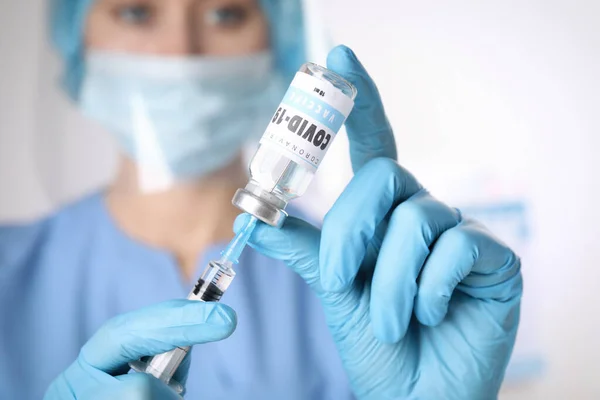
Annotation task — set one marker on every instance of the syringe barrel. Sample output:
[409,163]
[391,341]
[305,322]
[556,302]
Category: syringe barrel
[163,366]
[211,286]
[213,282]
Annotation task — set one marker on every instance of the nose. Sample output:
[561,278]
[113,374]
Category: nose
[181,36]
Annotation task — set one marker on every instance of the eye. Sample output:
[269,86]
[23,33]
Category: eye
[231,16]
[136,14]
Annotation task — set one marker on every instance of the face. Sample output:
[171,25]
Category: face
[178,27]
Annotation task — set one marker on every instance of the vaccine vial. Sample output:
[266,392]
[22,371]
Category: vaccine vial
[299,135]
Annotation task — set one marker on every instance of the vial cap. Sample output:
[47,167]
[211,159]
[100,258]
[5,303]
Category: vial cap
[261,209]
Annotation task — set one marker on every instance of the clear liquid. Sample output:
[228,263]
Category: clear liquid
[213,282]
[275,173]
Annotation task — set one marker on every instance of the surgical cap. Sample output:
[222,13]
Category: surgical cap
[68,18]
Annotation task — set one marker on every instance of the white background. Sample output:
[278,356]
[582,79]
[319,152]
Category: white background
[490,100]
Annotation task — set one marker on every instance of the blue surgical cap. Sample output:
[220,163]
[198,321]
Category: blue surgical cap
[68,19]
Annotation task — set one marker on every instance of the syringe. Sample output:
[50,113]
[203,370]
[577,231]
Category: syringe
[211,286]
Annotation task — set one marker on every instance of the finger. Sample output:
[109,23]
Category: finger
[155,330]
[137,386]
[413,228]
[469,258]
[181,375]
[369,131]
[351,223]
[296,244]
[83,381]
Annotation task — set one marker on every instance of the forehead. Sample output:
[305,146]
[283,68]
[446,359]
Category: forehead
[173,3]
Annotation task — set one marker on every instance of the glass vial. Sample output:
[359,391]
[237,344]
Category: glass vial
[299,135]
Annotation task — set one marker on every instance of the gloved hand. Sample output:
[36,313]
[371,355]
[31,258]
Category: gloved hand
[421,302]
[100,371]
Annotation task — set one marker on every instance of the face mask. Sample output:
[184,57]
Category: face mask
[180,118]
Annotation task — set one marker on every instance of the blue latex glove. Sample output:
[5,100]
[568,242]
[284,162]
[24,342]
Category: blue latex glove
[100,371]
[421,302]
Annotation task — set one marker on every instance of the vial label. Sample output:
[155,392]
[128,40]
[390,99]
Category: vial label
[308,119]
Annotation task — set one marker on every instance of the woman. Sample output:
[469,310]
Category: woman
[182,84]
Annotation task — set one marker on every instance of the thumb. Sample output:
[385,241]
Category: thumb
[155,330]
[145,332]
[296,244]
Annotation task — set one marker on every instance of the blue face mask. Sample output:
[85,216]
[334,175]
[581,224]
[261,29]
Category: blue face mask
[180,118]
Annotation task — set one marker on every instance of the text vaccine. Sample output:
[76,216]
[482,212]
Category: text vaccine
[312,112]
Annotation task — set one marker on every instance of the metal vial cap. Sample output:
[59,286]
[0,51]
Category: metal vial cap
[260,208]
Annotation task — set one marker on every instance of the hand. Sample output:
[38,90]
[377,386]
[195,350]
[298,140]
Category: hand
[100,371]
[421,302]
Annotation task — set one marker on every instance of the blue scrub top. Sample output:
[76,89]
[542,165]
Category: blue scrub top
[61,278]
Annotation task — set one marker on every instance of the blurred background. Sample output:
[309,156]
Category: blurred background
[496,110]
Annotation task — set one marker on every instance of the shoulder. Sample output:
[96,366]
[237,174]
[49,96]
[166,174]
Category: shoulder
[83,211]
[17,241]
[22,243]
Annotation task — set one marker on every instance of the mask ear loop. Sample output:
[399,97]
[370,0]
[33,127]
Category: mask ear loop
[154,173]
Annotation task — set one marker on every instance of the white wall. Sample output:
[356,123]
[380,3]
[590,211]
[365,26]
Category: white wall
[48,153]
[19,63]
[491,101]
